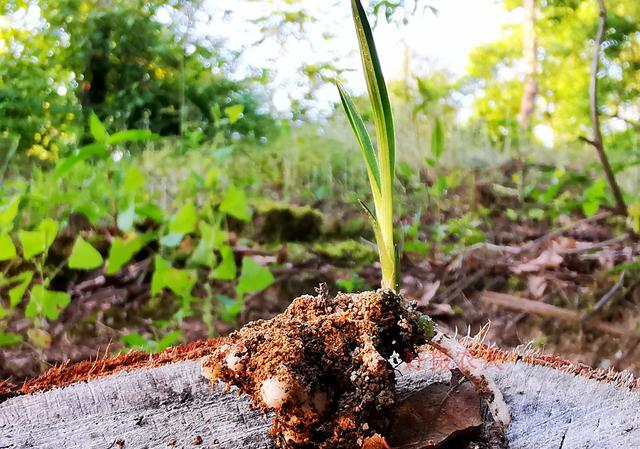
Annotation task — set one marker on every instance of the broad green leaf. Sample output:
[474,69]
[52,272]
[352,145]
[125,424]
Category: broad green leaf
[172,239]
[180,282]
[168,340]
[16,293]
[3,312]
[127,218]
[136,341]
[10,338]
[226,269]
[234,113]
[362,135]
[46,303]
[38,242]
[84,256]
[593,197]
[235,204]
[437,139]
[184,221]
[132,135]
[150,210]
[122,250]
[133,180]
[204,254]
[378,94]
[8,213]
[7,248]
[98,131]
[229,308]
[253,276]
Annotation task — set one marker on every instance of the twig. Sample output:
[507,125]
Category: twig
[539,308]
[618,285]
[596,140]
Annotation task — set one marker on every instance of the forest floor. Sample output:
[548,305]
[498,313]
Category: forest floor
[572,291]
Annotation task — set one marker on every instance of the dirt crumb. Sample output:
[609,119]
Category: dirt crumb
[323,366]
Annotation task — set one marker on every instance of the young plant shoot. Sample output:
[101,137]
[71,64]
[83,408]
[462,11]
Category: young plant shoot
[380,168]
[380,163]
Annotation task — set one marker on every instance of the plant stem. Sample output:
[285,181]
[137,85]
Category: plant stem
[596,140]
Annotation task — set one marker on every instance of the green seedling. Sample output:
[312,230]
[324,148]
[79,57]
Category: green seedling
[381,163]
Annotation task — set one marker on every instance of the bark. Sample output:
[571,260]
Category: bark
[174,406]
[527,107]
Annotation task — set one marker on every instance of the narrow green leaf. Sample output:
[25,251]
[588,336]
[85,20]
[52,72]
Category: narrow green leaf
[437,140]
[84,256]
[94,149]
[381,106]
[7,248]
[132,135]
[362,135]
[98,131]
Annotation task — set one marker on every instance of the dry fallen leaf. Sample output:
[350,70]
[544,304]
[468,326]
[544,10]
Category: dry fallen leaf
[434,415]
[547,259]
[537,285]
[375,442]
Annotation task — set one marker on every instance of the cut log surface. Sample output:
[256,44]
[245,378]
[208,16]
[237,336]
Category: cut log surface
[174,406]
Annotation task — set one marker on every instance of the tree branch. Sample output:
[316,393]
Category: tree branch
[596,140]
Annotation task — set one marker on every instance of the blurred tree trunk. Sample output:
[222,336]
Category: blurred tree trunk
[529,38]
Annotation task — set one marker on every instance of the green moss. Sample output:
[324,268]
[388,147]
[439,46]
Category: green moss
[283,222]
[347,252]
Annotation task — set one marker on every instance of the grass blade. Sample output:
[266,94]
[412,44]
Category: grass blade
[362,135]
[378,93]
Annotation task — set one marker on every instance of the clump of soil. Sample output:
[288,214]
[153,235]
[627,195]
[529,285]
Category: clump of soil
[323,366]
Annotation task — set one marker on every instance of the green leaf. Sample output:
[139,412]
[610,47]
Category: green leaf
[46,303]
[98,131]
[16,293]
[362,136]
[235,204]
[122,251]
[378,94]
[150,210]
[132,135]
[180,282]
[204,254]
[226,269]
[234,113]
[437,139]
[84,256]
[229,308]
[84,153]
[127,218]
[8,213]
[593,197]
[171,240]
[38,242]
[10,338]
[7,248]
[133,180]
[184,221]
[253,276]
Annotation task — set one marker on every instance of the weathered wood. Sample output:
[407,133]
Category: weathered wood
[152,407]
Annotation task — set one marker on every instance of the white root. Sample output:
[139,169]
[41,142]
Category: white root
[475,373]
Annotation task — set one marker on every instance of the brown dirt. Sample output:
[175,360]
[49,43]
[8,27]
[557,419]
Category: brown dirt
[323,366]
